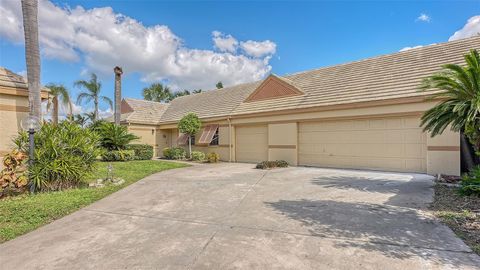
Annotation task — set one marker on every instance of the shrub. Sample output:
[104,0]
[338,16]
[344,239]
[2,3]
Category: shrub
[114,137]
[471,182]
[272,164]
[198,156]
[142,151]
[64,155]
[13,178]
[190,124]
[174,153]
[118,155]
[213,157]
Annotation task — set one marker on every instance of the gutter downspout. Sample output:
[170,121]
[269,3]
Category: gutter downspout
[229,139]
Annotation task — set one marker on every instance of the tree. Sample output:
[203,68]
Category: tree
[92,93]
[190,125]
[32,54]
[157,92]
[459,105]
[219,85]
[180,94]
[118,94]
[60,94]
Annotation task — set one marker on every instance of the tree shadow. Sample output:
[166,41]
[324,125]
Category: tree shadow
[393,231]
[413,191]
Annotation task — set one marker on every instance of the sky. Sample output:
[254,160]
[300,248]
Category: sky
[194,44]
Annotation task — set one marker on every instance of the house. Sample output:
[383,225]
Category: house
[14,106]
[364,114]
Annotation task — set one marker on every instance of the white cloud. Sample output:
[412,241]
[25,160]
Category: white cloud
[258,48]
[423,18]
[470,29]
[100,39]
[224,43]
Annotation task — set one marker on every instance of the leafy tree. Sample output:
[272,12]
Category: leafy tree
[92,93]
[180,94]
[197,91]
[459,107]
[114,137]
[60,94]
[219,85]
[157,92]
[189,124]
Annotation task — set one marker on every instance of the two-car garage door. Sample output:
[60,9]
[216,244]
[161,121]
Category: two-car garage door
[393,144]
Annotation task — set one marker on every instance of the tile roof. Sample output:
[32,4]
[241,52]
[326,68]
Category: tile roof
[13,80]
[144,111]
[384,77]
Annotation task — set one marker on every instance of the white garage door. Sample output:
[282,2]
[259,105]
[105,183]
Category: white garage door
[251,143]
[392,144]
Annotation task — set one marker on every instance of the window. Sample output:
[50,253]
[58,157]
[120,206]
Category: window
[192,139]
[215,138]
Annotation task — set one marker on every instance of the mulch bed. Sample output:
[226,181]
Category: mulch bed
[460,213]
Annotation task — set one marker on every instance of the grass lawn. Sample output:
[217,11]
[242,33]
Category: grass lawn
[460,213]
[21,214]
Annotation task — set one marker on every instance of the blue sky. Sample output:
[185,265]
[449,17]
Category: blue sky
[174,42]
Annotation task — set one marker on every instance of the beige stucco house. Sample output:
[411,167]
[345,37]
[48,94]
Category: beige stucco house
[13,106]
[364,114]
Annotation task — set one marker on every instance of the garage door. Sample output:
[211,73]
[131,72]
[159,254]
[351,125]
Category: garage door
[392,144]
[251,143]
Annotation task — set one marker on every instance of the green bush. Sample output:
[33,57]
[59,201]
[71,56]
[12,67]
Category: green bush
[272,164]
[471,182]
[65,155]
[118,155]
[198,156]
[174,153]
[142,151]
[114,137]
[213,157]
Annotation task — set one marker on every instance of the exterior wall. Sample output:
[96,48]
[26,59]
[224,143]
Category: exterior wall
[147,134]
[443,153]
[12,110]
[283,142]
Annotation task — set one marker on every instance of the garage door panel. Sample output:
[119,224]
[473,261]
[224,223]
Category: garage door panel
[394,144]
[251,143]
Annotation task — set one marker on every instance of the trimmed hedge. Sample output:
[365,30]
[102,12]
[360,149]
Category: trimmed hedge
[118,155]
[272,164]
[142,151]
[174,153]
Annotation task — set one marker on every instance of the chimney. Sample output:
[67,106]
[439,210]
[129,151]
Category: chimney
[118,94]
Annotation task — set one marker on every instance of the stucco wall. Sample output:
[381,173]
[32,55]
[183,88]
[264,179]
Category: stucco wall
[12,110]
[282,142]
[443,153]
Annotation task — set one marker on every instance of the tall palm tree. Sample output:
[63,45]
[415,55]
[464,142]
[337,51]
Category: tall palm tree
[32,54]
[59,93]
[92,93]
[459,105]
[157,92]
[118,93]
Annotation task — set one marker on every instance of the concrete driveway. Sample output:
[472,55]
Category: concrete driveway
[230,216]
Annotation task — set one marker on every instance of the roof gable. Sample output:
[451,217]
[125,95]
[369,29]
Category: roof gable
[274,87]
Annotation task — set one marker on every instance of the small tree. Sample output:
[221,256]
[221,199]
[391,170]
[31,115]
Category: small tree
[190,125]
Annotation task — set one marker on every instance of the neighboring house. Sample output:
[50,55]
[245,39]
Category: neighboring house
[142,118]
[364,114]
[13,106]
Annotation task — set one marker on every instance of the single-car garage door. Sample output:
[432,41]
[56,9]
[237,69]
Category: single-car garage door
[392,144]
[252,143]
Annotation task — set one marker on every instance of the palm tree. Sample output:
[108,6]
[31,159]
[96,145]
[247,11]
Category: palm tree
[118,93]
[59,93]
[157,92]
[180,94]
[32,54]
[92,87]
[459,97]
